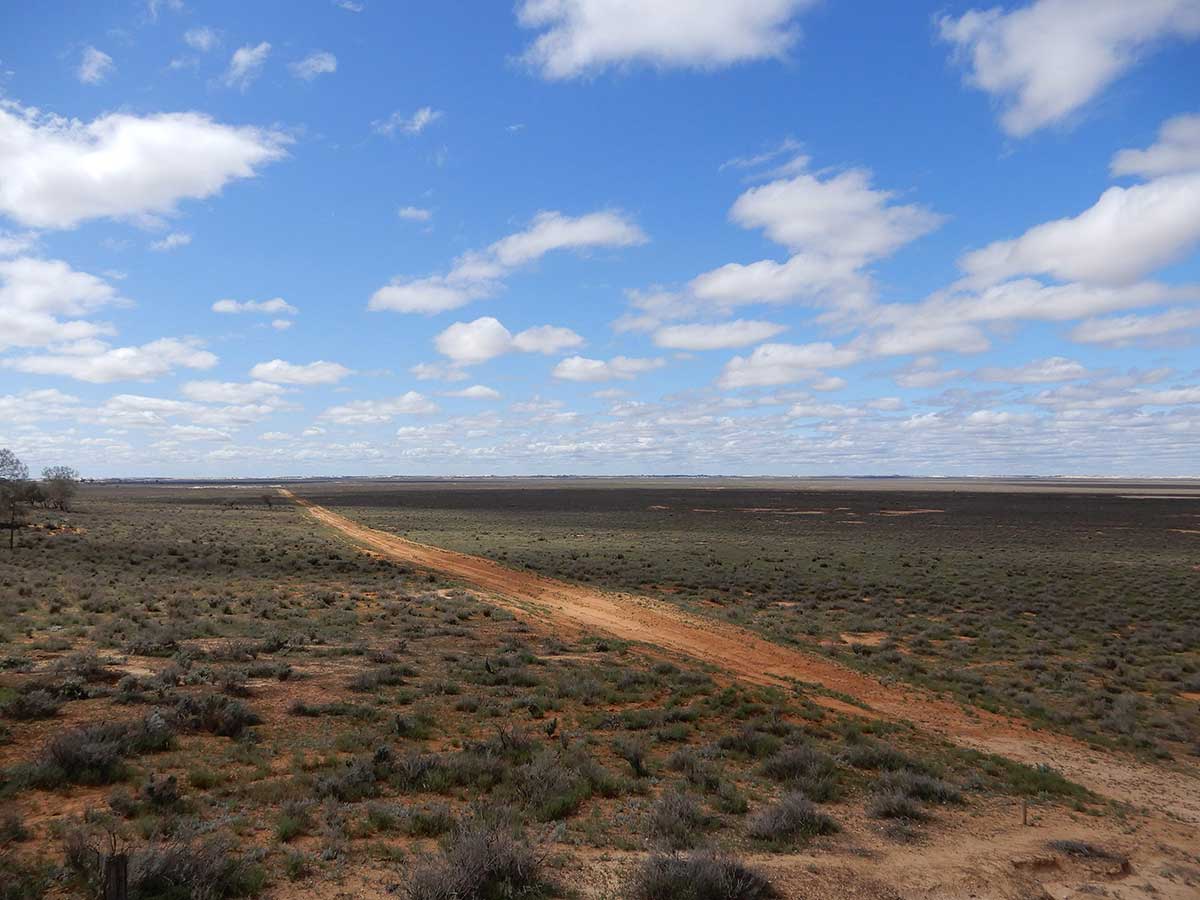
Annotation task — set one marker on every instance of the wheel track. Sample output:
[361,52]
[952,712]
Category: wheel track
[751,658]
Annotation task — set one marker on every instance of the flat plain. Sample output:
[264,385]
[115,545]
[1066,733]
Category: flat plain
[258,700]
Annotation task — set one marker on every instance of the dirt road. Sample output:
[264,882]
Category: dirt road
[751,658]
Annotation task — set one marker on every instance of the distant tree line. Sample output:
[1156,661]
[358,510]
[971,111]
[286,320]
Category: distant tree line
[18,492]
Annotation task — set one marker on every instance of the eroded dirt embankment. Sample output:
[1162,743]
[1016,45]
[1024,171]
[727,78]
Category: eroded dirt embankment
[749,657]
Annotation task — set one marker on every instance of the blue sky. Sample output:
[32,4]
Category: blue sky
[591,236]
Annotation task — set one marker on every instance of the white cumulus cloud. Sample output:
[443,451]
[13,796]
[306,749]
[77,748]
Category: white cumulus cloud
[474,342]
[42,300]
[546,339]
[98,363]
[467,343]
[56,172]
[1177,150]
[274,306]
[580,37]
[834,226]
[1047,59]
[373,412]
[1039,371]
[1120,331]
[277,371]
[232,392]
[1126,234]
[476,392]
[772,364]
[738,333]
[581,368]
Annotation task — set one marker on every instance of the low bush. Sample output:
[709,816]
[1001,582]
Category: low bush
[96,754]
[358,779]
[792,818]
[216,714]
[895,805]
[549,789]
[697,769]
[483,859]
[160,792]
[36,704]
[198,870]
[295,819]
[633,751]
[873,755]
[12,829]
[701,876]
[386,676]
[349,710]
[750,742]
[22,879]
[1084,850]
[429,820]
[805,769]
[920,787]
[677,821]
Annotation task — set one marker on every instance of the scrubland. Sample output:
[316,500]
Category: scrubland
[247,705]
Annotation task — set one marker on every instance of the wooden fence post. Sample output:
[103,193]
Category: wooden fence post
[116,877]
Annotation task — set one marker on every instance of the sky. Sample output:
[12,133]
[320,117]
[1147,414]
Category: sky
[791,237]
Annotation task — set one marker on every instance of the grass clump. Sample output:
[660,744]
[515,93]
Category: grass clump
[295,819]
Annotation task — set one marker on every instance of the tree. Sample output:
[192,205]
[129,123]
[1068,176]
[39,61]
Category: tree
[266,499]
[14,476]
[61,484]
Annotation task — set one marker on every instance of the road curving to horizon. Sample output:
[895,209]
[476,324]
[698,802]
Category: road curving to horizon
[747,656]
